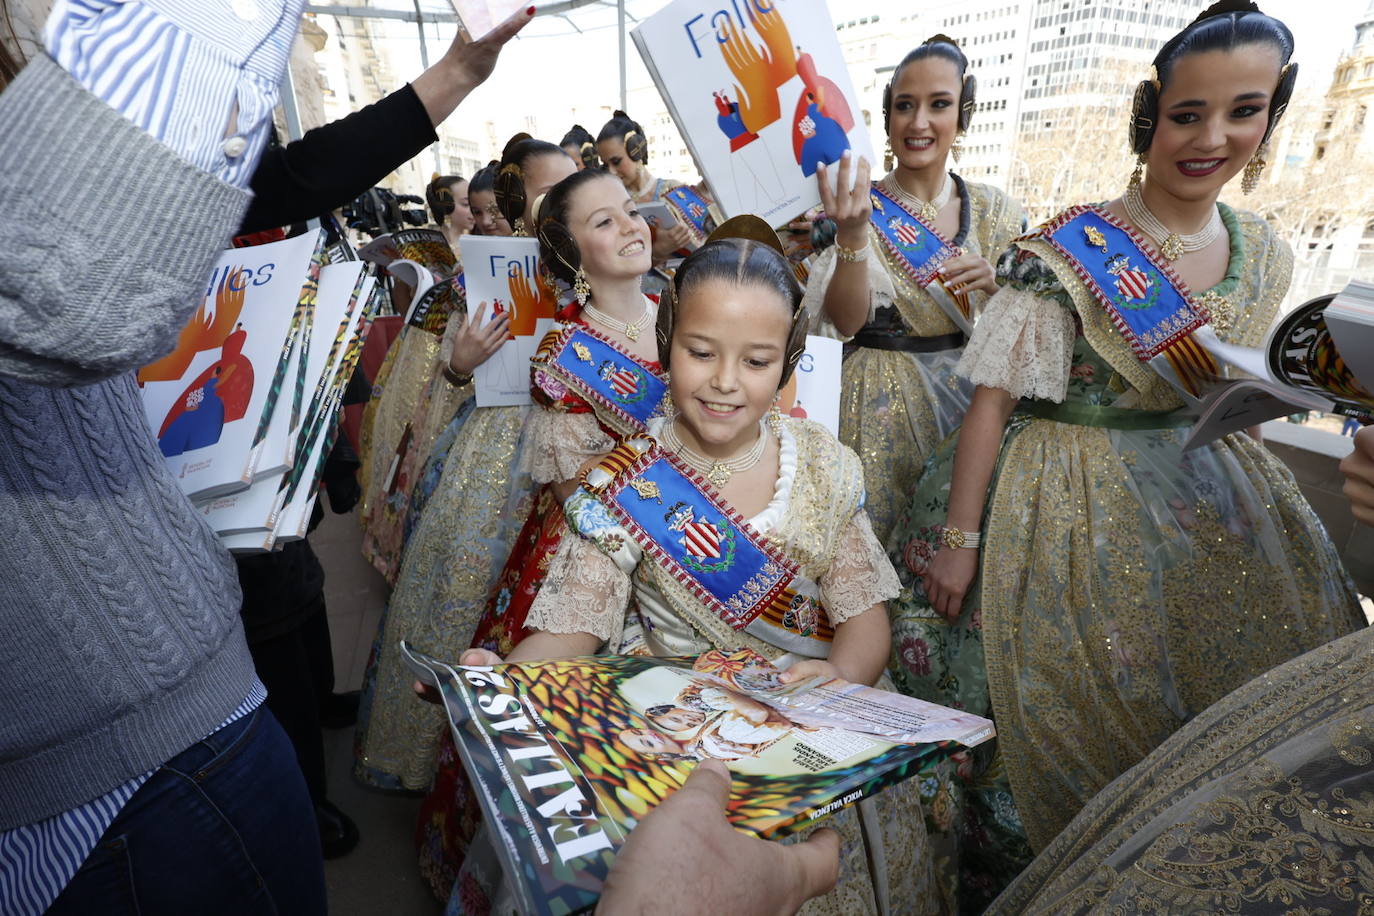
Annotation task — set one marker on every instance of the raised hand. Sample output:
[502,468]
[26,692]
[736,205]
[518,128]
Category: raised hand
[529,303]
[849,205]
[468,341]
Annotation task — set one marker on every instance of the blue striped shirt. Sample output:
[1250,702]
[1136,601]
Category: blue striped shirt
[38,860]
[202,76]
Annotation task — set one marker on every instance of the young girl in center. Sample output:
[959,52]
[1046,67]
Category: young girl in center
[724,485]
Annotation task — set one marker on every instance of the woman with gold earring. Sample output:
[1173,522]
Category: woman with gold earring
[907,274]
[1122,584]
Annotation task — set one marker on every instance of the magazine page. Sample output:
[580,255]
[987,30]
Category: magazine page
[762,96]
[479,17]
[503,274]
[209,401]
[1350,318]
[1245,403]
[843,704]
[566,756]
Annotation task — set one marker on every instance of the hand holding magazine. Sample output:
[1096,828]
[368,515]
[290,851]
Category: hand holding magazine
[566,756]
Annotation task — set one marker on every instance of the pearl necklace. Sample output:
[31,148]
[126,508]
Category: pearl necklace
[718,472]
[1171,245]
[631,329]
[926,210]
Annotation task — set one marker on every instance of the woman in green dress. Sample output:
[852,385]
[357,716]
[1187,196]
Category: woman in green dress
[1123,584]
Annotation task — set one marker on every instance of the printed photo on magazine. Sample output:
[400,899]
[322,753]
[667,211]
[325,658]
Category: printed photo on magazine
[566,756]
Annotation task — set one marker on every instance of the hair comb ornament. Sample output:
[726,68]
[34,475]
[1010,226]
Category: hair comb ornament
[750,227]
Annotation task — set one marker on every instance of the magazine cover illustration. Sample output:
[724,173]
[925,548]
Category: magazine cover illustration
[566,756]
[209,402]
[761,93]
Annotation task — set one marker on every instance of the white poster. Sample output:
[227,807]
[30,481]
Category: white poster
[813,392]
[761,93]
[503,278]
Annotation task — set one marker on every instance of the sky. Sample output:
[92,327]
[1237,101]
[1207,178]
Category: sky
[553,71]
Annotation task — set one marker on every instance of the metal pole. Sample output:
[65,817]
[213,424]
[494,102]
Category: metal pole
[620,13]
[424,62]
[288,106]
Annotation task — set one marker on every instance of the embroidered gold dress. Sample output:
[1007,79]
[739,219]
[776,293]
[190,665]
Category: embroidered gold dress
[1262,804]
[1125,584]
[605,586]
[896,406]
[401,397]
[453,555]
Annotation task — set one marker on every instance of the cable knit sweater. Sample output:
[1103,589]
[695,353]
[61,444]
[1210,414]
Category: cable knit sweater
[120,643]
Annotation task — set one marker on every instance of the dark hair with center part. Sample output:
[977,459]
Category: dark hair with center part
[737,261]
[485,179]
[510,180]
[439,196]
[558,249]
[1223,26]
[942,48]
[624,128]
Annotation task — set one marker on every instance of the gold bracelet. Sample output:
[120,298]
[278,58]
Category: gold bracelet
[456,380]
[851,255]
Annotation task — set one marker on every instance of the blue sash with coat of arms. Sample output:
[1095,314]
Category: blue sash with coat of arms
[1146,301]
[625,391]
[679,521]
[691,209]
[921,252]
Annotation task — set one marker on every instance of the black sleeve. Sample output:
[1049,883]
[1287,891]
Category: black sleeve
[333,164]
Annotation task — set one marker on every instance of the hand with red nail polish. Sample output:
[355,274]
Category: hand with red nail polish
[465,66]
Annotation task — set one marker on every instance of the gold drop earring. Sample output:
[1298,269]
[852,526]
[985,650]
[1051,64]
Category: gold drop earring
[1254,169]
[1139,172]
[581,288]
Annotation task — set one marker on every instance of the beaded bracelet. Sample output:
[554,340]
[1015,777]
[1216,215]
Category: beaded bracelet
[851,255]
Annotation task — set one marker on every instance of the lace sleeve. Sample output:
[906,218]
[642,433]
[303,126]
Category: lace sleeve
[1023,342]
[557,444]
[585,591]
[880,289]
[861,575]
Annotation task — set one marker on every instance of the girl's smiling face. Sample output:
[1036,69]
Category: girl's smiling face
[728,352]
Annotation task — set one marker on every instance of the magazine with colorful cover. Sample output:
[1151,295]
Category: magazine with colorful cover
[761,94]
[504,275]
[256,508]
[210,401]
[424,261]
[566,756]
[302,484]
[1301,366]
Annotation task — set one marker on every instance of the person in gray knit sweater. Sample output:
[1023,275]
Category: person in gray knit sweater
[136,762]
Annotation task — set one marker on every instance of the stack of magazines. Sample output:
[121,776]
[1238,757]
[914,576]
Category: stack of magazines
[245,407]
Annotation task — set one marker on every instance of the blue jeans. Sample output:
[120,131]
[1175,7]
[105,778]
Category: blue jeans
[224,827]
